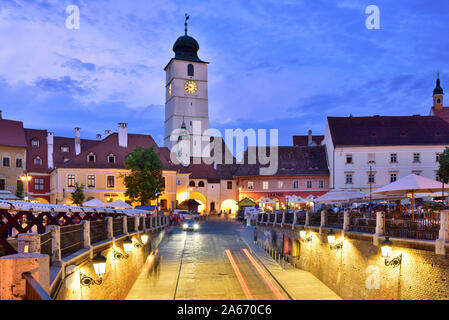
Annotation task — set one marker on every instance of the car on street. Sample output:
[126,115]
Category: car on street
[190,224]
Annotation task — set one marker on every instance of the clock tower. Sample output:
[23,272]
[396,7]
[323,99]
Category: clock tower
[186,98]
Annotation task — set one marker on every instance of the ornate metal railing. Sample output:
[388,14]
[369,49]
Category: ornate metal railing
[335,220]
[360,224]
[71,239]
[117,227]
[98,231]
[424,227]
[300,218]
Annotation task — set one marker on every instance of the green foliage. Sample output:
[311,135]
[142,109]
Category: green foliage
[19,190]
[145,178]
[443,170]
[78,196]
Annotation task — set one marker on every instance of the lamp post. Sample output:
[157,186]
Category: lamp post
[157,194]
[26,178]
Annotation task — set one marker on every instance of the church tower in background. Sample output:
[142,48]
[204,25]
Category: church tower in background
[186,98]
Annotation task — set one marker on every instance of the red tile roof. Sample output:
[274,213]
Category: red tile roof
[441,113]
[388,131]
[304,140]
[12,133]
[109,145]
[305,160]
[37,151]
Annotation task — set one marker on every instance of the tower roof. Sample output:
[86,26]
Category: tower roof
[438,89]
[186,47]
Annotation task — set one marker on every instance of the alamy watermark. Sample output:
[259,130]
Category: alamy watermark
[373,20]
[209,147]
[73,19]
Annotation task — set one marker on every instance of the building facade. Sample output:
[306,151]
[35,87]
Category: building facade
[13,152]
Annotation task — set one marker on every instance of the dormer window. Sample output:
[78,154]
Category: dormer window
[65,149]
[191,183]
[35,142]
[201,184]
[37,161]
[111,158]
[91,157]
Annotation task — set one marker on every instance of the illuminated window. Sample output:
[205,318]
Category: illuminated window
[70,180]
[91,181]
[250,185]
[110,181]
[65,149]
[169,89]
[265,185]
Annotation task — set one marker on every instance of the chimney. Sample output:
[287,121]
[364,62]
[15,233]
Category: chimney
[107,133]
[98,137]
[123,135]
[50,138]
[77,141]
[310,142]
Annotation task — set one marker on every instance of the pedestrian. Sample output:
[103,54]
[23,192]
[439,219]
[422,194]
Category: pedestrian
[255,235]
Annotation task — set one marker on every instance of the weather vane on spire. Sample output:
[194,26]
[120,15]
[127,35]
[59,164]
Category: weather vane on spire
[185,23]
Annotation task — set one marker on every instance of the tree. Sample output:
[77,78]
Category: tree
[443,171]
[145,179]
[78,196]
[19,190]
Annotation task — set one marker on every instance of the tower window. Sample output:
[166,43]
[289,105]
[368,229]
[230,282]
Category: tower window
[438,100]
[190,71]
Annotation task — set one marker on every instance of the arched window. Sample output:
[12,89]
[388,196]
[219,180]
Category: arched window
[192,183]
[201,184]
[37,161]
[190,70]
[111,158]
[438,100]
[91,157]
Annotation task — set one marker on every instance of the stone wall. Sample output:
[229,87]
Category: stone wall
[358,271]
[120,273]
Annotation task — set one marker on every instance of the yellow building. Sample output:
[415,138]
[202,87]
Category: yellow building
[12,154]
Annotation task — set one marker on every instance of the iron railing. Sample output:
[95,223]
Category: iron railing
[423,226]
[98,231]
[71,239]
[117,226]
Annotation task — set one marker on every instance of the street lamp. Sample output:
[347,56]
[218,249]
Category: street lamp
[157,194]
[386,247]
[99,263]
[26,178]
[303,234]
[144,238]
[331,240]
[127,245]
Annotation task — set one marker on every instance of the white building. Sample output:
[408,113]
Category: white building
[374,151]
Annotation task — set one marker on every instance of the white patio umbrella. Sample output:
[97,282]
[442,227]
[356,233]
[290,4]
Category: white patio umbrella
[339,195]
[94,203]
[294,198]
[119,204]
[266,200]
[412,184]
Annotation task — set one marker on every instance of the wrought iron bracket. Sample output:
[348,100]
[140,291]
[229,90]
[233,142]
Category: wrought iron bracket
[309,238]
[87,281]
[394,262]
[137,245]
[119,255]
[336,246]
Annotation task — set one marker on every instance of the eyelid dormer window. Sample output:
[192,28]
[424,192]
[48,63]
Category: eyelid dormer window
[91,157]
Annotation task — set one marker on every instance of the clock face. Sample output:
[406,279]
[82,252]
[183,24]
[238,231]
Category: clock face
[190,87]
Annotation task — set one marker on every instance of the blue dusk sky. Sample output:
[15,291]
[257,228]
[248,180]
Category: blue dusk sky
[274,64]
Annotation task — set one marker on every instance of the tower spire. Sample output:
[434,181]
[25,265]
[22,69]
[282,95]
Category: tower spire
[185,23]
[438,89]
